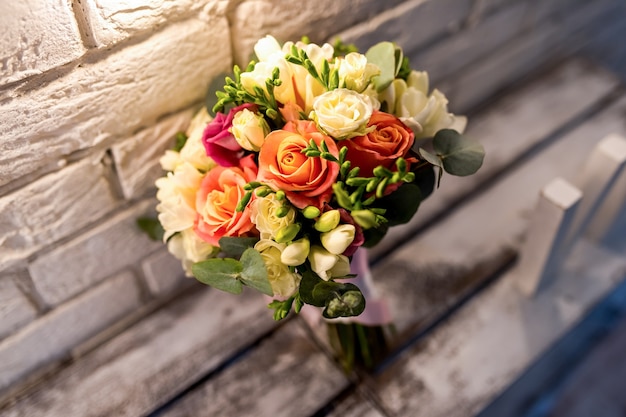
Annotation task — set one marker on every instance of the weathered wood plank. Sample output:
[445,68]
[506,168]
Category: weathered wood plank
[355,405]
[466,362]
[152,361]
[511,127]
[286,375]
[426,276]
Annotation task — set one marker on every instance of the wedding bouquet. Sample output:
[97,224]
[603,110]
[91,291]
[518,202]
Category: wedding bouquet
[312,152]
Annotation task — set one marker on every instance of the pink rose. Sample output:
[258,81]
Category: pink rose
[219,142]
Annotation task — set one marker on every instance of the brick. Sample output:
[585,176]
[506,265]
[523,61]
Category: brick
[163,273]
[137,158]
[50,338]
[15,309]
[319,19]
[108,99]
[427,19]
[36,36]
[53,207]
[88,259]
[112,21]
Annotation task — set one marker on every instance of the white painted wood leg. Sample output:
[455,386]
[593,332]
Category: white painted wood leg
[549,225]
[611,213]
[596,180]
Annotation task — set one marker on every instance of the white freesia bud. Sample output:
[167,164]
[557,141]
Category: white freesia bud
[343,113]
[341,268]
[263,213]
[249,130]
[296,253]
[328,221]
[189,249]
[337,240]
[284,283]
[322,261]
[356,72]
[266,48]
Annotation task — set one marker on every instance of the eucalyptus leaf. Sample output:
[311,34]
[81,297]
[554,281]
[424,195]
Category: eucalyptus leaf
[152,227]
[375,235]
[222,274]
[345,304]
[460,156]
[254,273]
[309,280]
[431,158]
[383,55]
[236,246]
[402,204]
[425,179]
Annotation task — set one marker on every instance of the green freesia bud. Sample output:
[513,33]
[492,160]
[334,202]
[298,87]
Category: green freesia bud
[296,253]
[287,233]
[311,212]
[364,218]
[327,221]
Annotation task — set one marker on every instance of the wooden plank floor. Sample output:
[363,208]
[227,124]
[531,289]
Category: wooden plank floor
[447,274]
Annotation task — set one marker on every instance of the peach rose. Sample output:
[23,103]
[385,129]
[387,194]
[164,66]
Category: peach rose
[306,181]
[390,140]
[217,199]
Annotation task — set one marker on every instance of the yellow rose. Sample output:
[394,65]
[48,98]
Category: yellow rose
[343,113]
[284,283]
[249,130]
[263,214]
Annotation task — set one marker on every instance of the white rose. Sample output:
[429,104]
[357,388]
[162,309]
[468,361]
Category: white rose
[337,240]
[284,283]
[249,130]
[343,113]
[177,198]
[189,249]
[296,253]
[263,215]
[356,72]
[425,114]
[194,151]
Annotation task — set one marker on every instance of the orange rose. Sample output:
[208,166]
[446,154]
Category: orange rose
[390,140]
[282,165]
[216,202]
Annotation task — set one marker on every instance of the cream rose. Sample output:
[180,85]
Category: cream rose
[425,114]
[284,283]
[189,249]
[249,130]
[177,198]
[355,72]
[263,214]
[343,113]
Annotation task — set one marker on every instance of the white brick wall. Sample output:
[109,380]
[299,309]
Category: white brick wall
[92,92]
[36,35]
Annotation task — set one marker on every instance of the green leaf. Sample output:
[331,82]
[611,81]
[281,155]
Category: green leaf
[181,140]
[459,156]
[222,274]
[309,280]
[152,227]
[432,158]
[375,235]
[236,246]
[383,54]
[254,273]
[425,179]
[402,204]
[281,308]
